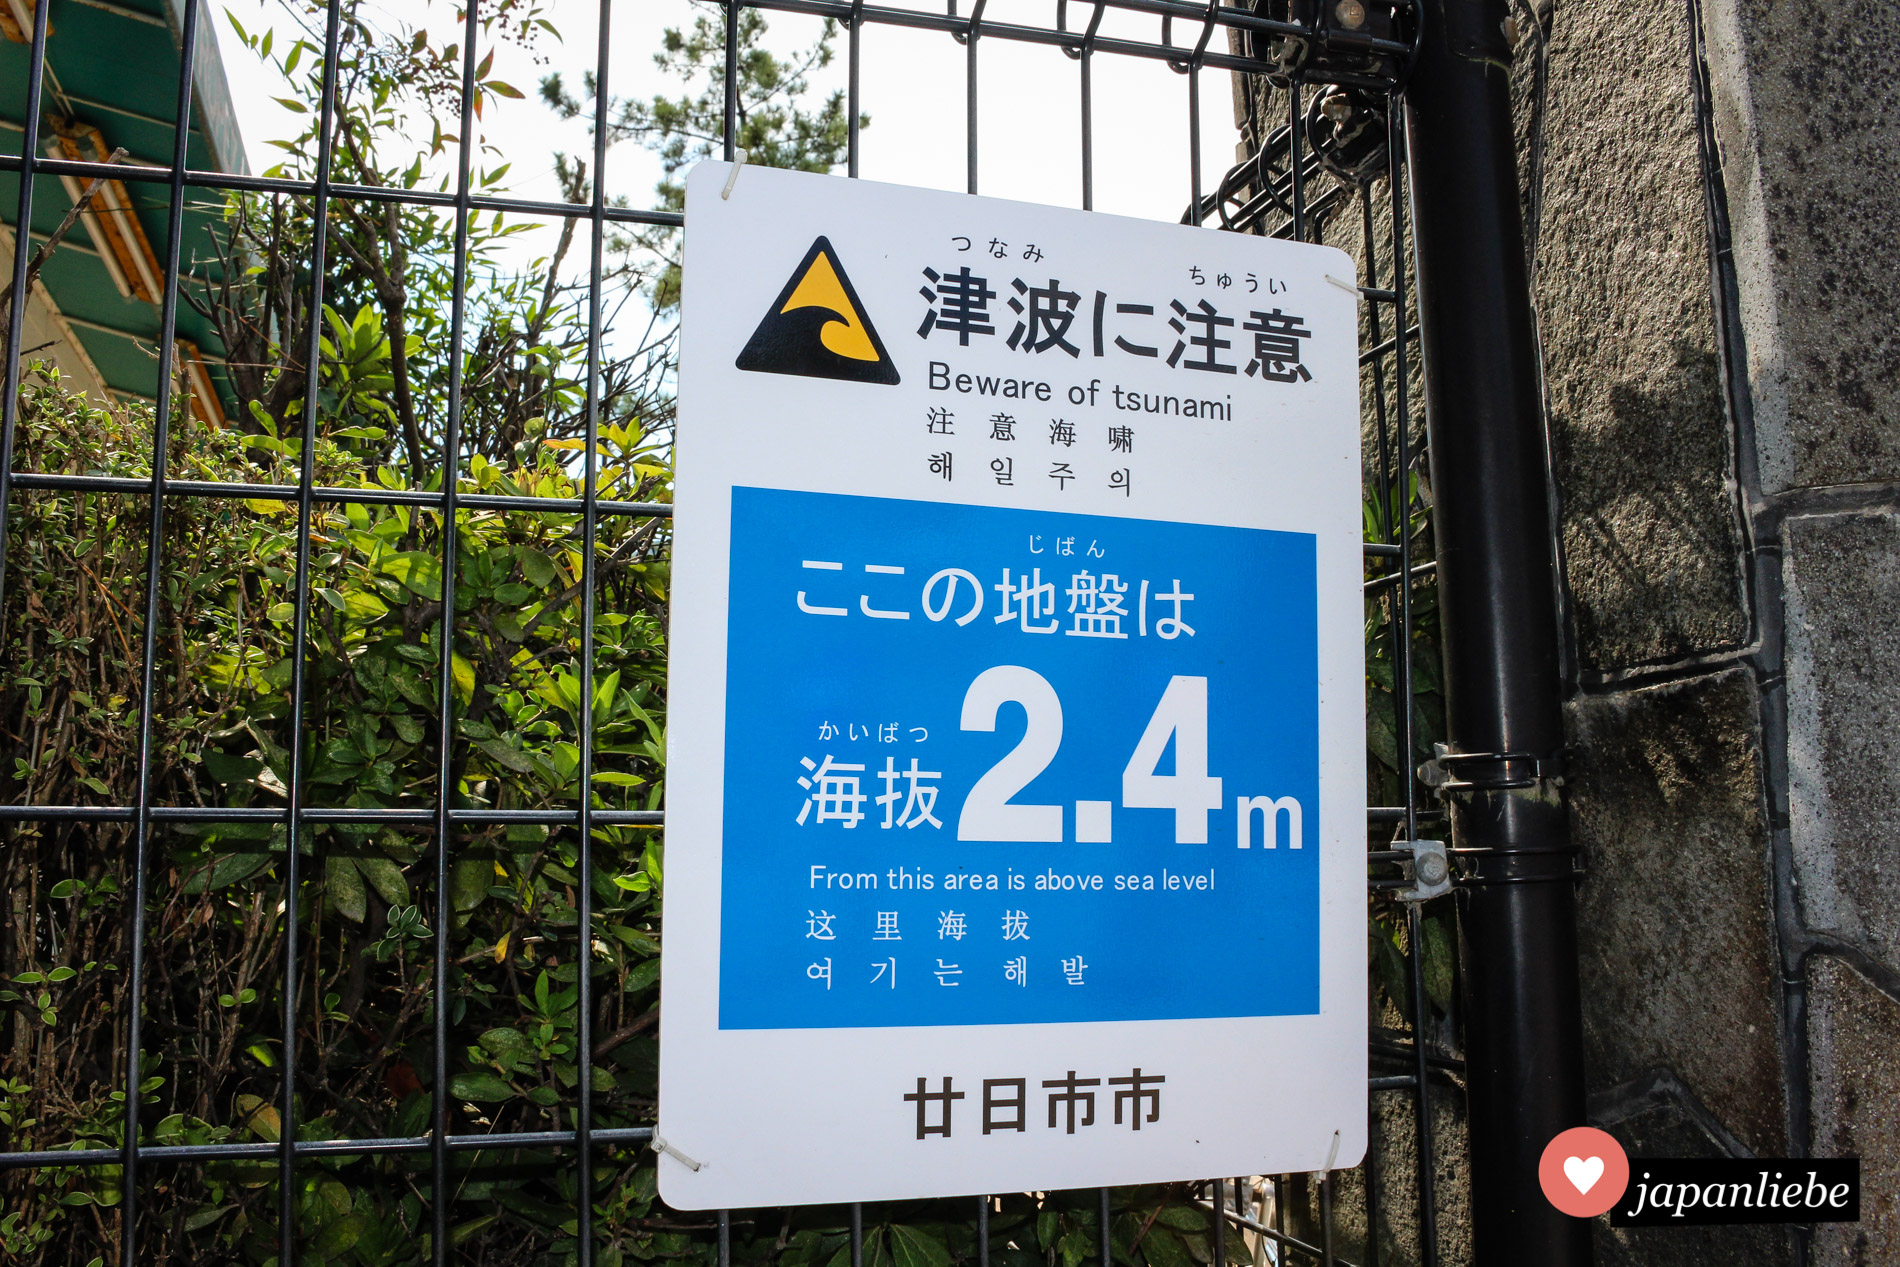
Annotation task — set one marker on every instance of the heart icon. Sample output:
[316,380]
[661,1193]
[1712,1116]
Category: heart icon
[1583,1172]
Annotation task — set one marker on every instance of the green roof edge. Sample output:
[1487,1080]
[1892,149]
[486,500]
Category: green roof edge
[211,91]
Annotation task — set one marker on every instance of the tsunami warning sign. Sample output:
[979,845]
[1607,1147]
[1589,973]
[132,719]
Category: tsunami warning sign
[1015,806]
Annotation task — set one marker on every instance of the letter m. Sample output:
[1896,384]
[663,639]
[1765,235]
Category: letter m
[1269,810]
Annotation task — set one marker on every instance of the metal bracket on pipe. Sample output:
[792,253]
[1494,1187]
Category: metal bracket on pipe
[1438,773]
[1429,870]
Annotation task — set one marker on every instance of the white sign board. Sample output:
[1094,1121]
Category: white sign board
[1015,806]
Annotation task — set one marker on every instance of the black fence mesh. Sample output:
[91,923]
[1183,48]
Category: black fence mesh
[1323,161]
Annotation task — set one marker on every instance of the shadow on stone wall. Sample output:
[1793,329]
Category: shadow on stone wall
[1625,317]
[1650,533]
[1666,1130]
[1676,938]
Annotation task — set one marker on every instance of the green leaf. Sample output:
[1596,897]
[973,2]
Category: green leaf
[227,769]
[643,976]
[1164,1249]
[463,674]
[364,606]
[1185,1218]
[338,1237]
[604,691]
[483,1088]
[469,879]
[259,1117]
[420,573]
[1438,962]
[232,868]
[1381,729]
[343,883]
[508,1046]
[386,877]
[916,1247]
[537,567]
[505,756]
[462,1232]
[1388,967]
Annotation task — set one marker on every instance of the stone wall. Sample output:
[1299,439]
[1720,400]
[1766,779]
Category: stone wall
[1712,198]
[1717,206]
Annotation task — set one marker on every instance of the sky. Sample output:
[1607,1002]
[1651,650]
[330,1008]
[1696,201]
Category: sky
[912,86]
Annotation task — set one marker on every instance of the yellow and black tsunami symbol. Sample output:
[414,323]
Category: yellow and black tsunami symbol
[818,328]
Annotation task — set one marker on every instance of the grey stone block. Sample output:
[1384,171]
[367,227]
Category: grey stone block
[1841,581]
[1854,1030]
[1808,116]
[1393,1158]
[1641,443]
[1667,1131]
[1391,1168]
[1395,1119]
[1674,917]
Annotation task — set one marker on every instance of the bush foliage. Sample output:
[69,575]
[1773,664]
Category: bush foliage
[217,902]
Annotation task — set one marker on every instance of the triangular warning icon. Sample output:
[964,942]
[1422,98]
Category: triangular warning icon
[817,327]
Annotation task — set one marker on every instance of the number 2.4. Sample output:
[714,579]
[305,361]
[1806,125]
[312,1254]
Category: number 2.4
[990,814]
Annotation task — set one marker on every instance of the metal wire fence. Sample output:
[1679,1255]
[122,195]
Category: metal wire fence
[1324,163]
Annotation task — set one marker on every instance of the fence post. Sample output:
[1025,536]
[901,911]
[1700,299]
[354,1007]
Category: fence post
[1496,569]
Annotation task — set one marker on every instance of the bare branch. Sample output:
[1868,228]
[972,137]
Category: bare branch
[46,248]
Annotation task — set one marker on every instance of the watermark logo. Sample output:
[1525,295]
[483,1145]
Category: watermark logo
[1583,1172]
[1684,1192]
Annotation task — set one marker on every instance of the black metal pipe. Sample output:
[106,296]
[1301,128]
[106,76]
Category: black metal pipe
[1497,578]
